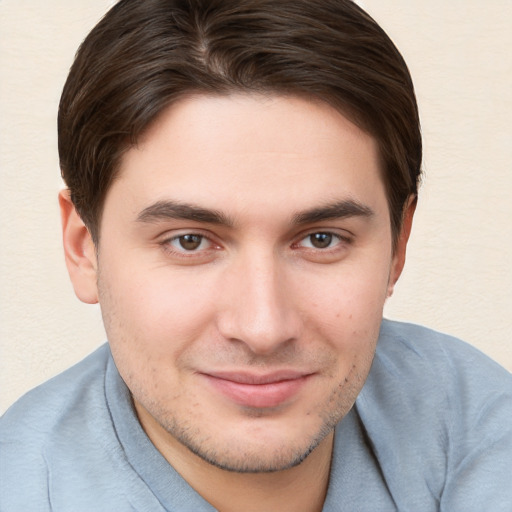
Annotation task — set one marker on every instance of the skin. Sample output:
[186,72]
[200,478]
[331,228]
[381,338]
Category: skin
[244,235]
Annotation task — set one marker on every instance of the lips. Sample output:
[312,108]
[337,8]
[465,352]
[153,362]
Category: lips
[258,390]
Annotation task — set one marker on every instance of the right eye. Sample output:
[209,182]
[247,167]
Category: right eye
[320,240]
[190,242]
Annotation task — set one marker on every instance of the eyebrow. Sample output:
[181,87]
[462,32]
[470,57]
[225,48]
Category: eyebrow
[337,210]
[165,210]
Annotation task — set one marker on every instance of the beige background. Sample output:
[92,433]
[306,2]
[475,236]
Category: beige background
[458,278]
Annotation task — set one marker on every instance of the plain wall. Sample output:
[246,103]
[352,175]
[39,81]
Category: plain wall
[457,278]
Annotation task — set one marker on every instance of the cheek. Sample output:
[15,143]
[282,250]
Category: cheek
[152,313]
[350,299]
[345,310]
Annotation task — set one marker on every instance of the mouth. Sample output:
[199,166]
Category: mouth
[258,390]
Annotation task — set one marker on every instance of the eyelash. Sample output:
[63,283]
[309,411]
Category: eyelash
[332,237]
[167,244]
[183,253]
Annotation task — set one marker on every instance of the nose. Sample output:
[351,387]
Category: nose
[258,305]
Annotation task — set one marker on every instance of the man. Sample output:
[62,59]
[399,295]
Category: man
[242,178]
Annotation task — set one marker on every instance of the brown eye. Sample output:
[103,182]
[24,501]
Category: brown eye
[192,248]
[189,242]
[320,240]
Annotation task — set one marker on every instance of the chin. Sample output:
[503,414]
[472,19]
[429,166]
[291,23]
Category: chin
[257,460]
[265,446]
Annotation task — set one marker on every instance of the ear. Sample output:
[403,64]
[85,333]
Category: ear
[79,251]
[398,261]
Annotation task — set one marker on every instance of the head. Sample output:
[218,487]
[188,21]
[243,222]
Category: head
[242,176]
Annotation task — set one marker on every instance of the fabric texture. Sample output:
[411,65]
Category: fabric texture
[430,431]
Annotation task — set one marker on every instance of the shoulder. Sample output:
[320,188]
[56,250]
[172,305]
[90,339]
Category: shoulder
[42,425]
[424,357]
[438,378]
[39,411]
[434,402]
[418,342]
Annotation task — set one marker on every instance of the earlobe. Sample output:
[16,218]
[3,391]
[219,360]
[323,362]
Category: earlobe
[79,251]
[401,246]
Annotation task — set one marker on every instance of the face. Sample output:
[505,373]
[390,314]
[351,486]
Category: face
[245,256]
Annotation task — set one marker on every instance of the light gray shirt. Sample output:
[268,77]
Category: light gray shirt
[430,431]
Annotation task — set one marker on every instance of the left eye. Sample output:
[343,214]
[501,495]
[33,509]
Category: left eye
[190,242]
[320,240]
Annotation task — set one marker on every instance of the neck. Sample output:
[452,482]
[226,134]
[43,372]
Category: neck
[299,489]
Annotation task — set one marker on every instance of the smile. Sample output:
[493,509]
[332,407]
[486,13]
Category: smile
[258,391]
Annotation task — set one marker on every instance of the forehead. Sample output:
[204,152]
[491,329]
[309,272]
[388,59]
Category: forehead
[244,151]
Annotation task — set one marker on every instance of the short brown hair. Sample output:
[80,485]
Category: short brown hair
[145,54]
